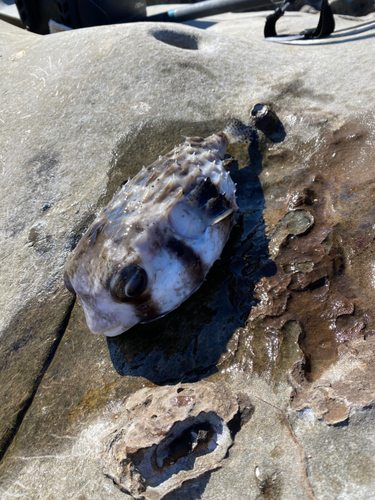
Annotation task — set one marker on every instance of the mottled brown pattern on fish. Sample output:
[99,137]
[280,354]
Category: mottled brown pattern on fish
[154,243]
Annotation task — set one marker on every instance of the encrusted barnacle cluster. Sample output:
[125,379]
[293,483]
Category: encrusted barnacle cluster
[168,435]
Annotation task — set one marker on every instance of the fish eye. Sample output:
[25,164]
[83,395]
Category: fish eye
[128,283]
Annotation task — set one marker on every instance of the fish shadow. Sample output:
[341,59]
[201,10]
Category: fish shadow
[186,344]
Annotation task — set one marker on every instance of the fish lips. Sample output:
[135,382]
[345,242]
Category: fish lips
[112,324]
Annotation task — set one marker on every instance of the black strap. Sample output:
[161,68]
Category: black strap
[325,26]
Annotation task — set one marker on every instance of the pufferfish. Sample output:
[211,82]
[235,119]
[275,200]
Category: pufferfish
[151,247]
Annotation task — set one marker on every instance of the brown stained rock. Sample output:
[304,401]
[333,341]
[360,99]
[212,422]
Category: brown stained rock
[315,284]
[168,435]
[325,278]
[303,197]
[350,383]
[273,295]
[294,223]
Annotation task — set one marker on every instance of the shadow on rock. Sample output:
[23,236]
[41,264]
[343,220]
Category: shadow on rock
[187,343]
[190,490]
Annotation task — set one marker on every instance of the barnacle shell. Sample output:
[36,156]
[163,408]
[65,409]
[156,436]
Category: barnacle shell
[168,435]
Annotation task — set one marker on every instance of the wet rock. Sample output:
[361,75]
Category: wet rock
[170,435]
[321,290]
[345,386]
[294,223]
[303,197]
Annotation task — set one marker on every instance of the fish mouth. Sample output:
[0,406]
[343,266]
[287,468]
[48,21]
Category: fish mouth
[106,322]
[111,332]
[96,328]
[116,330]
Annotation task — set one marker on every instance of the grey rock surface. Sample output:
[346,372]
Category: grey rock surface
[81,112]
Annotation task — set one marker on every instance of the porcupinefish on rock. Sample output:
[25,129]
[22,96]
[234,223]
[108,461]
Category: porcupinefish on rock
[151,247]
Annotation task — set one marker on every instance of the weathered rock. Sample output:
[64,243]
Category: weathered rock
[170,435]
[82,111]
[294,223]
[348,384]
[339,458]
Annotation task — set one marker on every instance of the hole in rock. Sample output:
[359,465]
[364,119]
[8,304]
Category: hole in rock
[194,438]
[185,41]
[187,392]
[317,284]
[186,441]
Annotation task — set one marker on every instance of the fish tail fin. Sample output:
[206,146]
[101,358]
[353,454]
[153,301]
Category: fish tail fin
[238,132]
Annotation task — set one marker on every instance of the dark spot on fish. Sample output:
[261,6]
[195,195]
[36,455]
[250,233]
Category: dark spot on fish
[188,258]
[202,192]
[195,141]
[184,170]
[145,308]
[94,232]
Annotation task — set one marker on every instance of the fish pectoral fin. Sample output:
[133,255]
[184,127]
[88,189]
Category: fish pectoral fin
[223,216]
[202,207]
[202,193]
[218,209]
[207,201]
[191,222]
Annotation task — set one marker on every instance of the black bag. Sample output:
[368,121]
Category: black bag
[35,14]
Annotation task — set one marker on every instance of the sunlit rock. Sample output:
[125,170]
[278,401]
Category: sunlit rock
[168,435]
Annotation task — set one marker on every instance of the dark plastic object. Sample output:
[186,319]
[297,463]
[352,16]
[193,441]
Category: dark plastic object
[35,14]
[325,26]
[206,8]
